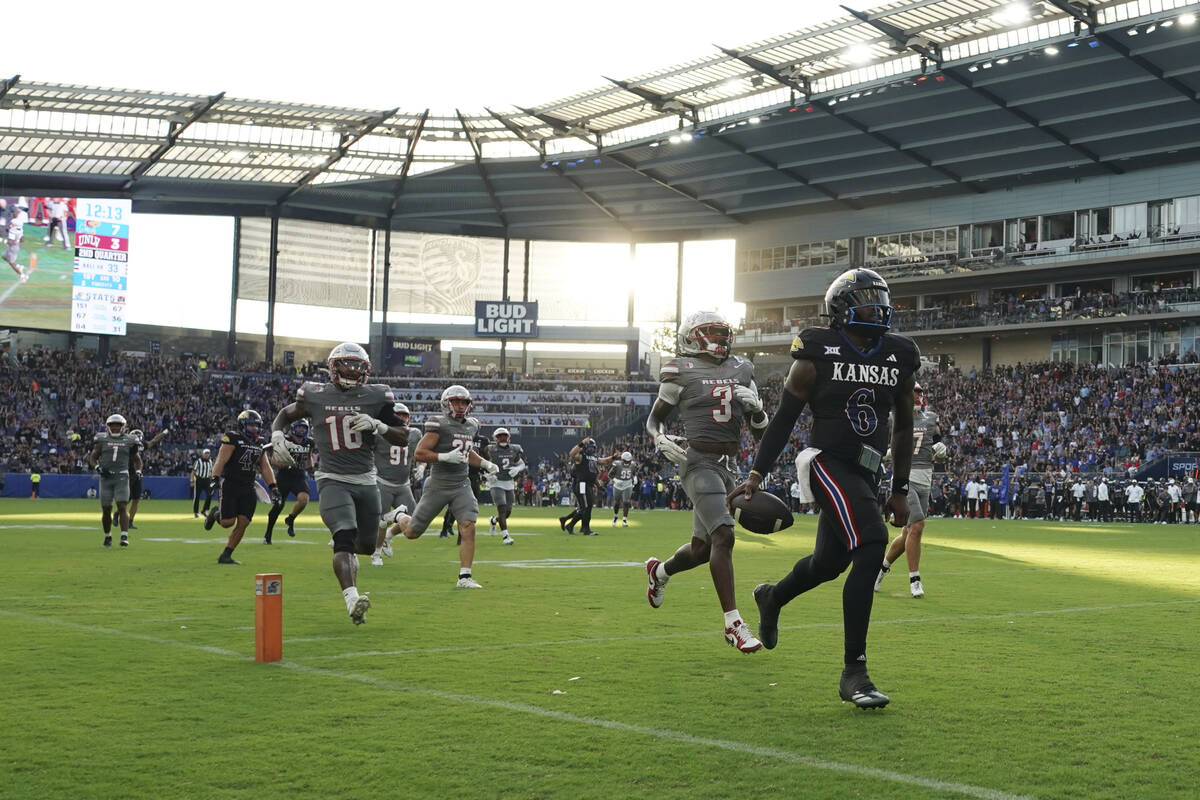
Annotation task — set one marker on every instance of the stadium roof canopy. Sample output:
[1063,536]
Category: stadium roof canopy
[907,100]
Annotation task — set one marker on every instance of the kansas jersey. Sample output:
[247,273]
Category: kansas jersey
[453,434]
[586,469]
[623,475]
[243,464]
[505,457]
[703,391]
[116,452]
[344,454]
[393,462]
[855,391]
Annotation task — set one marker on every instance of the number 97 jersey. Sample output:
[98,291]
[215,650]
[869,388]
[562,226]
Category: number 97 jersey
[855,390]
[703,391]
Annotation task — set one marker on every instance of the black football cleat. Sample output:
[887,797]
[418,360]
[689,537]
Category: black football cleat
[266,540]
[290,523]
[856,687]
[562,523]
[768,616]
[589,533]
[224,559]
[124,541]
[108,541]
[210,519]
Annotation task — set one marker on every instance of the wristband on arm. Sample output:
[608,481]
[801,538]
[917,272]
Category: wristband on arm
[899,486]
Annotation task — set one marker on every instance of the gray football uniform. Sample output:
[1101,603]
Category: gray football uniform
[623,476]
[115,453]
[349,499]
[504,484]
[393,463]
[448,484]
[703,391]
[925,424]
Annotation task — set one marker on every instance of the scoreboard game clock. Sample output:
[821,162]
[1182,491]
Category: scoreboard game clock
[101,266]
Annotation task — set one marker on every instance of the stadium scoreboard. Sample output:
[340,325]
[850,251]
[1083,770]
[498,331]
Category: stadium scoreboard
[101,269]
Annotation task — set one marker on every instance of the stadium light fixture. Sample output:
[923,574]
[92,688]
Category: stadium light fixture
[972,68]
[1052,50]
[986,65]
[1187,19]
[1093,43]
[1072,44]
[1132,32]
[1151,28]
[858,53]
[1001,60]
[1013,14]
[1166,23]
[754,120]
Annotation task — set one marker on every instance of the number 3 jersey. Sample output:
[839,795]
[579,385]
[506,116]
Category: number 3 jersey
[343,454]
[703,391]
[453,434]
[855,391]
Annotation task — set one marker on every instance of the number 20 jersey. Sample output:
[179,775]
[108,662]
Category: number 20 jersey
[855,391]
[345,455]
[453,434]
[704,393]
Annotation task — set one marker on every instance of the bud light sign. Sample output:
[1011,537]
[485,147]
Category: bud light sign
[501,319]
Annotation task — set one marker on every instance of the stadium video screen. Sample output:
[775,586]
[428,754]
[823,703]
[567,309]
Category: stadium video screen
[66,263]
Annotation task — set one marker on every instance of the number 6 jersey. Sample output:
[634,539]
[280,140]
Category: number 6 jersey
[345,455]
[704,393]
[855,391]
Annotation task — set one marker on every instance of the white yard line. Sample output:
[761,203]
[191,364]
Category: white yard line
[683,737]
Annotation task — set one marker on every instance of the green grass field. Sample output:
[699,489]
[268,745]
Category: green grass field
[1047,660]
[45,301]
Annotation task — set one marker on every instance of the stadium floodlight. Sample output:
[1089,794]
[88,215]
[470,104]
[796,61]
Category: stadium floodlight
[972,68]
[986,65]
[1187,19]
[1151,28]
[755,120]
[1166,23]
[858,53]
[1013,14]
[1132,32]
[1001,60]
[1051,50]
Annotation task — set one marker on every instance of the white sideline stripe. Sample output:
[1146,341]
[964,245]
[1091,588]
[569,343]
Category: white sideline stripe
[8,292]
[560,716]
[693,634]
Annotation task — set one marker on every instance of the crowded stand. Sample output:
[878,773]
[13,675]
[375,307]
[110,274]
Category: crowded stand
[1048,426]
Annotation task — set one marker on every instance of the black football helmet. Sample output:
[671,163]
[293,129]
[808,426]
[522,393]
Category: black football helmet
[300,429]
[250,421]
[858,302]
[590,449]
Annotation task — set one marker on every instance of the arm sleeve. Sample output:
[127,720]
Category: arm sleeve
[775,437]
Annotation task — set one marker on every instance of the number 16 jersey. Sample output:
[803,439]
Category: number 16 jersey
[346,455]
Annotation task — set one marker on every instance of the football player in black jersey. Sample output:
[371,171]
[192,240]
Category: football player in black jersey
[587,463]
[240,455]
[293,480]
[851,375]
[135,482]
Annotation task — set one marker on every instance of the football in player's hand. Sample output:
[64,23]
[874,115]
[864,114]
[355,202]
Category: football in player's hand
[762,513]
[277,460]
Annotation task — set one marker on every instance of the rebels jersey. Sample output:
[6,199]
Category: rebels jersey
[393,462]
[301,451]
[854,391]
[453,434]
[505,457]
[703,391]
[346,455]
[243,464]
[925,426]
[116,452]
[623,475]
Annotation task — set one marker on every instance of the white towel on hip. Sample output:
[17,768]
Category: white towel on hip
[803,464]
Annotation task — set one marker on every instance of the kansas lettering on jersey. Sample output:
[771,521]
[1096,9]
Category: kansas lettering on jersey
[243,464]
[855,391]
[703,391]
[301,451]
[116,452]
[623,475]
[505,457]
[393,462]
[346,455]
[453,434]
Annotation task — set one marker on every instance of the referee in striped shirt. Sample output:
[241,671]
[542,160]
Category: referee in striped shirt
[202,481]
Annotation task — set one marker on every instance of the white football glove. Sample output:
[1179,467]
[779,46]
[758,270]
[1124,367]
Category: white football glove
[488,466]
[419,471]
[514,471]
[940,450]
[364,423]
[669,448]
[453,457]
[279,450]
[749,399]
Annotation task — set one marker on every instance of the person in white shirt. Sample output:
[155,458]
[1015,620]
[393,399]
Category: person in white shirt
[973,508]
[17,219]
[1105,512]
[1133,501]
[1175,493]
[794,491]
[58,224]
[1078,489]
